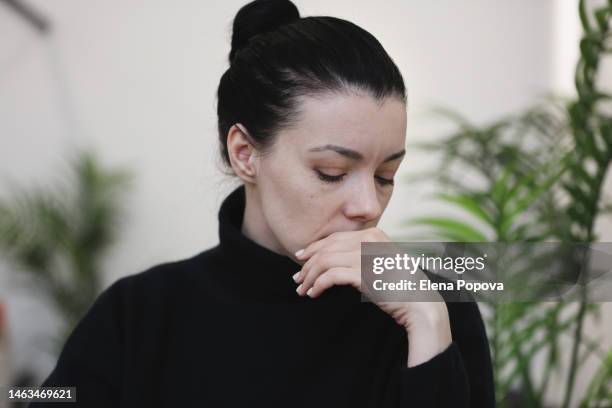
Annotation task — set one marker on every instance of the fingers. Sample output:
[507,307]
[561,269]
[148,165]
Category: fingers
[334,276]
[338,246]
[341,249]
[321,262]
[322,243]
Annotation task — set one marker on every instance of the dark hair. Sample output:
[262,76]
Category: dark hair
[277,57]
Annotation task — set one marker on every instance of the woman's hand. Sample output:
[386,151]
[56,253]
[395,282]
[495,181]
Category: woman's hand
[336,260]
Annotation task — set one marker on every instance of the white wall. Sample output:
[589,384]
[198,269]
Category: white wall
[137,81]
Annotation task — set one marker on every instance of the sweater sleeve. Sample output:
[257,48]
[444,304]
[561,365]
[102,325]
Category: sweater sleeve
[461,375]
[90,359]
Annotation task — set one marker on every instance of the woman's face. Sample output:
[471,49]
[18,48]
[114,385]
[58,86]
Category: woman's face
[333,170]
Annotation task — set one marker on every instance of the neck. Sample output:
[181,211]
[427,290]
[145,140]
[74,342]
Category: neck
[254,225]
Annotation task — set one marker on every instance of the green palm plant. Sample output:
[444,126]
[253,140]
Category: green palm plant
[56,237]
[532,177]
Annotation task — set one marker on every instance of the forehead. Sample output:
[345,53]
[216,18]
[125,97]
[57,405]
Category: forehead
[354,120]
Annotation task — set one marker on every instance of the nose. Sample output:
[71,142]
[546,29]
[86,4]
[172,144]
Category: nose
[363,203]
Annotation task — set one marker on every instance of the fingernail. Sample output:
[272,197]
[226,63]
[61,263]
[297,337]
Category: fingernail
[309,292]
[298,289]
[298,253]
[296,276]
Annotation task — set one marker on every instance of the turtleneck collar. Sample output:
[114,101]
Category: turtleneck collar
[259,270]
[255,272]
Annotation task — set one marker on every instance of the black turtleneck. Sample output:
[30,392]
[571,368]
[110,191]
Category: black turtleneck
[225,328]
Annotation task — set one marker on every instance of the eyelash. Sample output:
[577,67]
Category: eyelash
[335,179]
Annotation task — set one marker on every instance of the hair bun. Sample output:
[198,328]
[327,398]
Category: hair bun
[258,17]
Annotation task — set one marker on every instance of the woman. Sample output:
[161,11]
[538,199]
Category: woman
[312,120]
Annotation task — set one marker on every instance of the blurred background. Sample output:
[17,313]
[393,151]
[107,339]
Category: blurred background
[109,159]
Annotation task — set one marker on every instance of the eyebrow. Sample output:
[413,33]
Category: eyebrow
[353,154]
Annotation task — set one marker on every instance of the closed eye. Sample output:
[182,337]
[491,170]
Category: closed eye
[329,178]
[384,181]
[337,178]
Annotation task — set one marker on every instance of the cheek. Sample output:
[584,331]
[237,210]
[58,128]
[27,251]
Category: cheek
[296,216]
[300,216]
[289,188]
[288,204]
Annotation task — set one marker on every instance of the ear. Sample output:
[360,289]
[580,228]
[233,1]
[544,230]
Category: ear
[241,152]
